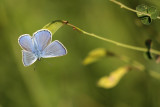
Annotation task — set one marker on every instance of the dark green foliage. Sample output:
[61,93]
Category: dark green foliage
[147,13]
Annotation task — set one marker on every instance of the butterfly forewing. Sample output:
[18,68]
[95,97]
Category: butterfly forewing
[42,38]
[28,58]
[54,49]
[26,42]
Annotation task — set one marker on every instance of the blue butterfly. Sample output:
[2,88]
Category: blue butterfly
[40,46]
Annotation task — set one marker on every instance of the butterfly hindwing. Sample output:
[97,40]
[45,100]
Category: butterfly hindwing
[28,58]
[54,49]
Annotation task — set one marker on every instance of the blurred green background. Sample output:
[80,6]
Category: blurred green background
[64,81]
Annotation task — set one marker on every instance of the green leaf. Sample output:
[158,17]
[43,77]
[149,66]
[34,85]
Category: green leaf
[141,8]
[54,26]
[146,20]
[154,12]
[114,77]
[151,11]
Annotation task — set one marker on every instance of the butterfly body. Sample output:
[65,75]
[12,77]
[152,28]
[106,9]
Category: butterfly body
[39,46]
[37,53]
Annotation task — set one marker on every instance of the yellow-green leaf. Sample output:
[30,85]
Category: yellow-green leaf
[155,75]
[113,79]
[95,55]
[54,26]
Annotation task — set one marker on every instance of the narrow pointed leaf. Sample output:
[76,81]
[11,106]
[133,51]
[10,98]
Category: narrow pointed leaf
[95,55]
[155,74]
[113,79]
[54,26]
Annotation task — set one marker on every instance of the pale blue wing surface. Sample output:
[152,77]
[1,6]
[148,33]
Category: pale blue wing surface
[28,58]
[42,38]
[54,49]
[25,41]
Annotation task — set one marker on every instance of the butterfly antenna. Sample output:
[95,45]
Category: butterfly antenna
[35,64]
[47,63]
[34,67]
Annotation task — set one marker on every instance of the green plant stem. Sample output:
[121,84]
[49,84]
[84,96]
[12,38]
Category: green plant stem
[130,9]
[111,41]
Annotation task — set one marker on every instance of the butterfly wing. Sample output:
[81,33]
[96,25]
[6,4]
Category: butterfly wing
[28,58]
[26,43]
[42,38]
[54,49]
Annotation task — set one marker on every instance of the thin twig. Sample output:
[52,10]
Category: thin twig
[113,42]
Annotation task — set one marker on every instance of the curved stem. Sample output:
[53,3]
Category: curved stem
[111,41]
